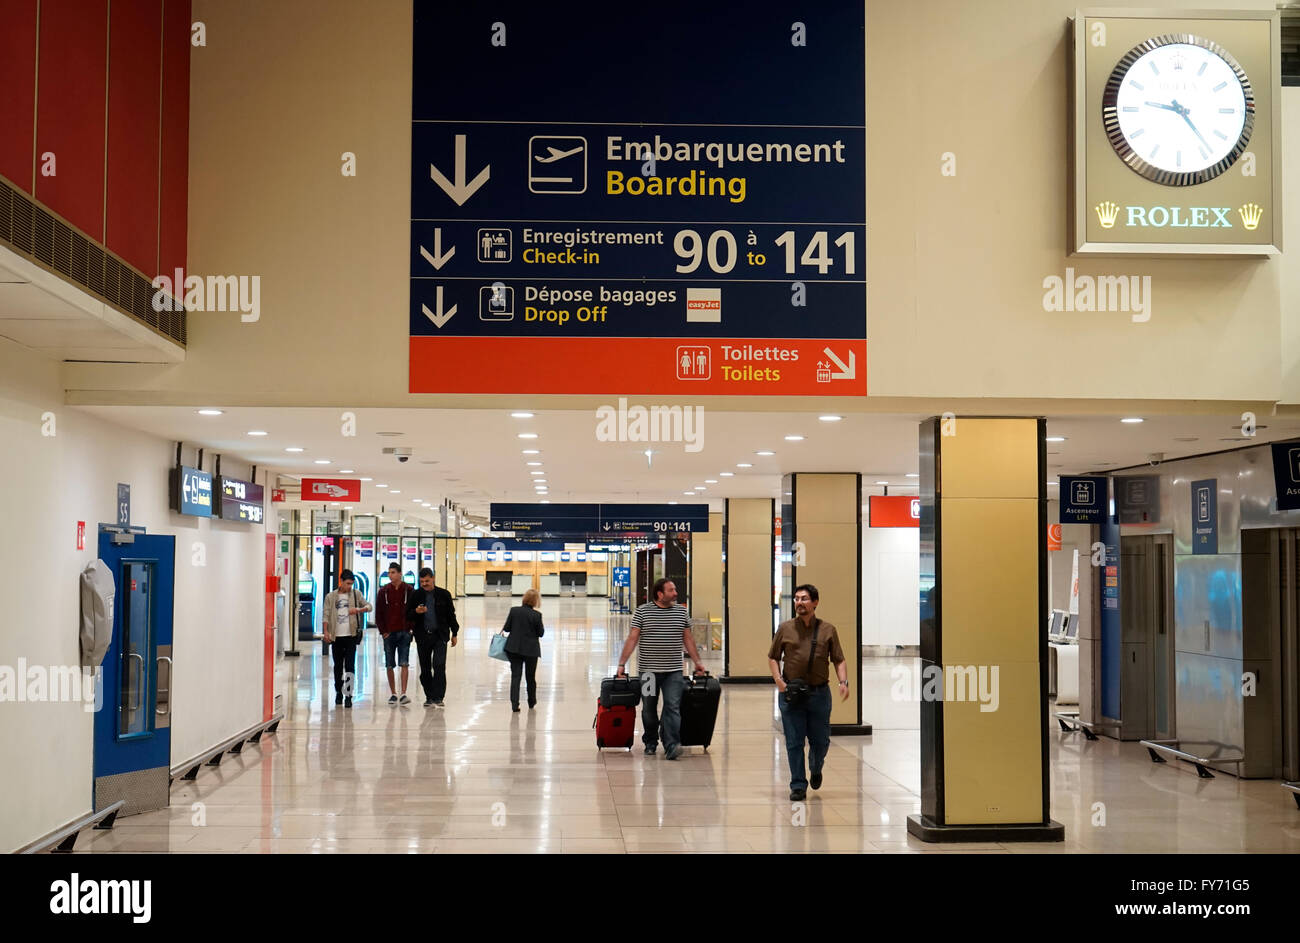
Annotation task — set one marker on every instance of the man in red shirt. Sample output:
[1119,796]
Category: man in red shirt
[390,617]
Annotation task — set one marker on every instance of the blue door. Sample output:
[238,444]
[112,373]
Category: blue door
[133,727]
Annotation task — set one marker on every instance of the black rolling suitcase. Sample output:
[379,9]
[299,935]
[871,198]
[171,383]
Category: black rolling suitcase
[620,692]
[700,701]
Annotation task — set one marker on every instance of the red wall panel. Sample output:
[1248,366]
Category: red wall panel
[17,90]
[134,66]
[173,236]
[70,110]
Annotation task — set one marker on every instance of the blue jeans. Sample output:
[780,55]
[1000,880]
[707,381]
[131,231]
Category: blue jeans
[397,649]
[670,684]
[812,721]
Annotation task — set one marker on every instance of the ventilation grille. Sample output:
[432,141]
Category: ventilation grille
[32,231]
[1291,46]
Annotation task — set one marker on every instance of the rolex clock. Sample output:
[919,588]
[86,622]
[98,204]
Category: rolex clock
[1176,148]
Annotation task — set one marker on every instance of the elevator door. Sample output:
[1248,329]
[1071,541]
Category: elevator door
[1270,609]
[1147,650]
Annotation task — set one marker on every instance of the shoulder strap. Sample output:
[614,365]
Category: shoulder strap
[812,652]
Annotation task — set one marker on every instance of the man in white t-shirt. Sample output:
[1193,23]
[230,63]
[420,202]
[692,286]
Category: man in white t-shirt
[341,626]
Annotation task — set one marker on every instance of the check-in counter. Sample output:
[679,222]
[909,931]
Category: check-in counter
[474,584]
[521,583]
[597,584]
[550,584]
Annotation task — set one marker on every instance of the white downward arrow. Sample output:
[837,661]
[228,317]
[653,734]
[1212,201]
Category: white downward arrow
[460,191]
[847,371]
[441,317]
[437,260]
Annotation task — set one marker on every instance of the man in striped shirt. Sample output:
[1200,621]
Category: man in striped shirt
[659,630]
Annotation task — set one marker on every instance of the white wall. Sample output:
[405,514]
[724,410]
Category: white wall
[891,585]
[49,483]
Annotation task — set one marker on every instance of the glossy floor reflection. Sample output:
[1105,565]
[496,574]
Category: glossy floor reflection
[477,778]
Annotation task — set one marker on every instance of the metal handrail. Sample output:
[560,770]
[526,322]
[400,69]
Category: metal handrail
[1201,762]
[189,770]
[1294,789]
[65,837]
[1072,717]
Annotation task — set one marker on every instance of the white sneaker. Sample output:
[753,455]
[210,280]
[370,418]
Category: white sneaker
[404,700]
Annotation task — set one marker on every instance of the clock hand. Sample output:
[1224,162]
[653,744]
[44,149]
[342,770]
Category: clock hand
[1165,107]
[1184,113]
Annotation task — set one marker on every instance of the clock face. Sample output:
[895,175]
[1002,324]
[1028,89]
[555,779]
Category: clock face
[1178,109]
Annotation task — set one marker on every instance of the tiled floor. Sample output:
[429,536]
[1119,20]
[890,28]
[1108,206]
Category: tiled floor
[477,778]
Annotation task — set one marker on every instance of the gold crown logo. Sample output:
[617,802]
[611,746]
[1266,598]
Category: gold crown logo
[1251,214]
[1106,213]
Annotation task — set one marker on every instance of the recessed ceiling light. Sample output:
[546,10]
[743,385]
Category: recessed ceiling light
[710,481]
[257,432]
[293,448]
[394,491]
[672,502]
[744,465]
[521,415]
[538,464]
[532,452]
[210,412]
[334,504]
[322,461]
[789,493]
[701,488]
[537,473]
[689,494]
[830,418]
[381,486]
[726,474]
[765,453]
[346,471]
[367,479]
[794,438]
[1056,438]
[882,482]
[1132,419]
[911,475]
[544,501]
[528,435]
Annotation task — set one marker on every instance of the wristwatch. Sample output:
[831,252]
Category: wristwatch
[844,684]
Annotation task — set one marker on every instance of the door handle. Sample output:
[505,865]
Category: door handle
[167,690]
[138,693]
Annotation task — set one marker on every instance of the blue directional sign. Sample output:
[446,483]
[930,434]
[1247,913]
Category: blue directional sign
[1084,499]
[1205,516]
[622,575]
[600,519]
[655,518]
[699,210]
[1286,474]
[191,491]
[519,543]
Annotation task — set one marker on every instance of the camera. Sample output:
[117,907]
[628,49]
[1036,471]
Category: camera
[403,459]
[403,455]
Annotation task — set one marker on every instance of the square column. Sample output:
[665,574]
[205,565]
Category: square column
[983,679]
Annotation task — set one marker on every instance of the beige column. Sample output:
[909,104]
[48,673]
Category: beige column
[825,517]
[706,571]
[983,680]
[747,589]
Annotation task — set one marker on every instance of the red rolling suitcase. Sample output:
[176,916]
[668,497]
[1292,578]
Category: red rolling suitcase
[615,726]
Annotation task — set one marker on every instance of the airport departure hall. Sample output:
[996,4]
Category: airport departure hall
[835,428]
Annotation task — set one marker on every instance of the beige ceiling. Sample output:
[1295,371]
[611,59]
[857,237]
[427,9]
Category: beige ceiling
[474,456]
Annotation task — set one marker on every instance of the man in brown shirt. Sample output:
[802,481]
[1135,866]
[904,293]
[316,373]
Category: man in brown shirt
[809,720]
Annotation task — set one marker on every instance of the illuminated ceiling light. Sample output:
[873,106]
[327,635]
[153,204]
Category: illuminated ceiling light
[394,491]
[765,453]
[528,435]
[257,432]
[794,438]
[532,452]
[830,418]
[322,461]
[744,465]
[1131,419]
[882,482]
[521,415]
[727,474]
[912,475]
[1056,438]
[381,486]
[533,463]
[710,481]
[367,479]
[294,448]
[211,412]
[346,471]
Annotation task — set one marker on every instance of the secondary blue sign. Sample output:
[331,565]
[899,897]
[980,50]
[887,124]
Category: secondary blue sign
[1205,516]
[1083,499]
[655,518]
[671,203]
[582,519]
[622,575]
[191,491]
[1137,499]
[1286,475]
[519,543]
[123,505]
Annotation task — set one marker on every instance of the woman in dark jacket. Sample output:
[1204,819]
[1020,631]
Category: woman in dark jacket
[524,628]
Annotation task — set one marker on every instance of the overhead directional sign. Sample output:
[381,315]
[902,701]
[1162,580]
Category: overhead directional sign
[191,491]
[600,519]
[708,231]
